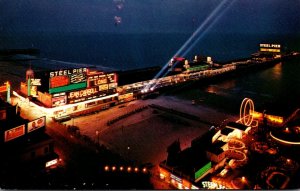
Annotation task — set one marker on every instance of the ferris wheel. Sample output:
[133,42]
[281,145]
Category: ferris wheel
[246,111]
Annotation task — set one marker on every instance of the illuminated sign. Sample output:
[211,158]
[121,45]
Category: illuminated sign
[59,94]
[86,94]
[269,45]
[3,88]
[112,85]
[269,50]
[212,185]
[112,78]
[66,80]
[103,87]
[68,88]
[59,101]
[97,80]
[126,96]
[35,82]
[69,72]
[177,179]
[33,91]
[202,170]
[36,124]
[58,81]
[14,133]
[82,93]
[51,163]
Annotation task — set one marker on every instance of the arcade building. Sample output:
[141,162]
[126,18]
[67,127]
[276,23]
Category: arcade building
[69,91]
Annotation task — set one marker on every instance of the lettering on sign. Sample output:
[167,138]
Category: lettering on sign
[177,179]
[97,80]
[68,72]
[103,87]
[270,45]
[35,82]
[59,101]
[212,185]
[82,93]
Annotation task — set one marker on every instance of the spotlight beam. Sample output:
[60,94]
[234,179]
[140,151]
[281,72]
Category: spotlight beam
[213,17]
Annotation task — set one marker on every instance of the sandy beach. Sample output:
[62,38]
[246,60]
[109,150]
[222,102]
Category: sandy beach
[144,136]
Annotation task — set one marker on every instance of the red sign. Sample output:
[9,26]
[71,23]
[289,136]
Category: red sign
[58,81]
[3,88]
[14,133]
[38,123]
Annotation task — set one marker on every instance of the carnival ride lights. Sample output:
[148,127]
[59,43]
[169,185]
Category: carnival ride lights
[246,111]
[284,141]
[212,18]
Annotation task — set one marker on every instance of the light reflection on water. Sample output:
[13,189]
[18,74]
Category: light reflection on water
[277,71]
[272,86]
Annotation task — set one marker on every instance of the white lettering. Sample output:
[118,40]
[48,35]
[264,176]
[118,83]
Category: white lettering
[212,185]
[67,72]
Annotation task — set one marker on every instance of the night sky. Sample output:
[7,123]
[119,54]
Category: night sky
[147,16]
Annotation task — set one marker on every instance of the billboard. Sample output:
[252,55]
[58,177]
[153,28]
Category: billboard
[59,81]
[36,124]
[96,80]
[270,47]
[35,82]
[14,133]
[86,94]
[59,101]
[66,80]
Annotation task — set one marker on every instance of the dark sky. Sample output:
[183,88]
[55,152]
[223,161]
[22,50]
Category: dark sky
[146,16]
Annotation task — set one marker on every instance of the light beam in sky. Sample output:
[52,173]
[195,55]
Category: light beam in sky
[213,17]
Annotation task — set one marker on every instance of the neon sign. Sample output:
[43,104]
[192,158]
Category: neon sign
[96,80]
[82,93]
[269,45]
[212,185]
[66,80]
[68,72]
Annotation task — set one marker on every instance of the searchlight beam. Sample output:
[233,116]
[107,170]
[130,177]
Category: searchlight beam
[213,17]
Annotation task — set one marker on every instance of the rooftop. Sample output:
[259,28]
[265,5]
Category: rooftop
[237,126]
[226,131]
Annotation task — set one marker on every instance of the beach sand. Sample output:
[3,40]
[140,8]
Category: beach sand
[144,136]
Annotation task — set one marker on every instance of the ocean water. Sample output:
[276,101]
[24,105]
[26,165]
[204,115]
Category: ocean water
[131,51]
[276,85]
